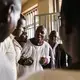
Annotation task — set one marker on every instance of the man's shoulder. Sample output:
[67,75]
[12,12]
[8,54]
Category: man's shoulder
[6,44]
[47,44]
[27,44]
[17,44]
[59,46]
[7,41]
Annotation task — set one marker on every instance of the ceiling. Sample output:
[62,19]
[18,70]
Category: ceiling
[24,1]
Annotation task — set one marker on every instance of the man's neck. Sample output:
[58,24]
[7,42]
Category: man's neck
[52,44]
[36,42]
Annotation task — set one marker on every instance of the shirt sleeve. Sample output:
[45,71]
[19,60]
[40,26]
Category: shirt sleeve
[18,49]
[27,50]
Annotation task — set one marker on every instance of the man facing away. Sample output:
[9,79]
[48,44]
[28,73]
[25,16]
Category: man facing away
[70,30]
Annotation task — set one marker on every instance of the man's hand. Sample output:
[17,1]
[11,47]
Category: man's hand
[43,61]
[26,61]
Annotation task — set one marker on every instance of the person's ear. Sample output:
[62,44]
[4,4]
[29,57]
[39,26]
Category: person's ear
[10,12]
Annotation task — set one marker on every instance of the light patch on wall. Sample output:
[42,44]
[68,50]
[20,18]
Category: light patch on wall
[30,9]
[24,1]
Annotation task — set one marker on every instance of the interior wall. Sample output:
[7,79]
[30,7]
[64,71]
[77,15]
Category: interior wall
[43,6]
[29,4]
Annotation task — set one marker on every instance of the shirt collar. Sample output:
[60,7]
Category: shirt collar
[12,36]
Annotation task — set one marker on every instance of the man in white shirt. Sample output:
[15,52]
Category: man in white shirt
[9,15]
[35,54]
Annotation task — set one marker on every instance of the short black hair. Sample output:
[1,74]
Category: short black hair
[53,33]
[20,21]
[22,17]
[71,11]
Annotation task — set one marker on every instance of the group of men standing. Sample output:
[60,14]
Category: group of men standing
[36,54]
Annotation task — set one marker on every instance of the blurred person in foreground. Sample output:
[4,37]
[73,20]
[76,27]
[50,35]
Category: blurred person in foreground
[9,15]
[70,30]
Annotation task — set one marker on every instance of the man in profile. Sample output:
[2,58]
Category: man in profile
[9,15]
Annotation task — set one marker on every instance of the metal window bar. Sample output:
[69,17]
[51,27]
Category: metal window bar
[50,20]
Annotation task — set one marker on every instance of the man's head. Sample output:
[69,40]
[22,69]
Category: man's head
[40,33]
[52,37]
[9,15]
[21,22]
[20,26]
[23,37]
[70,26]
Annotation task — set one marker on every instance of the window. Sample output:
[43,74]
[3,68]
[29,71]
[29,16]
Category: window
[30,21]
